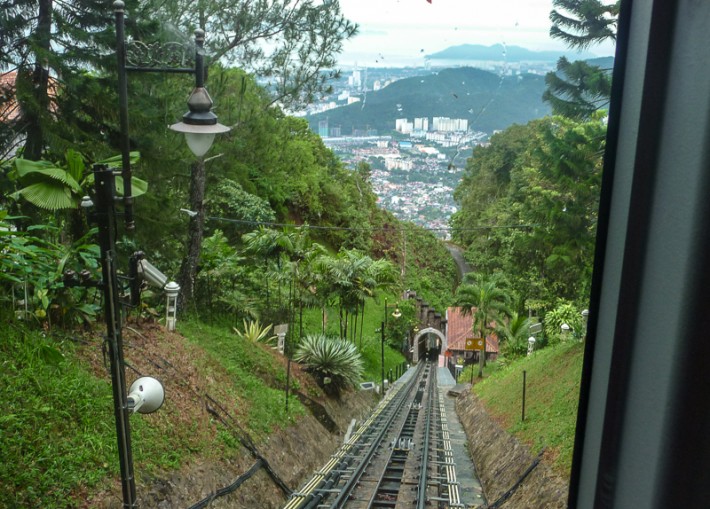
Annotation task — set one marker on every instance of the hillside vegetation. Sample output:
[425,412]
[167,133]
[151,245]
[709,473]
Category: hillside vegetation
[552,394]
[57,432]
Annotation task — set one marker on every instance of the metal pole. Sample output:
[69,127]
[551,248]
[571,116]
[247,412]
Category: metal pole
[286,351]
[105,186]
[123,115]
[199,58]
[525,373]
[382,387]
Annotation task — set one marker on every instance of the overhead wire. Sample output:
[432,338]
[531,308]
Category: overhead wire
[369,228]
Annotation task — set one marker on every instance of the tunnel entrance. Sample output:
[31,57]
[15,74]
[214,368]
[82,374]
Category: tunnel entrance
[428,344]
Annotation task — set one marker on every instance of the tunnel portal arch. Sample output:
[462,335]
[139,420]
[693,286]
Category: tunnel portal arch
[420,345]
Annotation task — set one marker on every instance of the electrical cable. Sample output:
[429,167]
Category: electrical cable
[205,502]
[381,228]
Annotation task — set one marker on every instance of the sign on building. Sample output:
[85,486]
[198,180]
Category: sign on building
[474,344]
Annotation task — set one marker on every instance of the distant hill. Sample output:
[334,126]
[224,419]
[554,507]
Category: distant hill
[489,101]
[602,62]
[498,52]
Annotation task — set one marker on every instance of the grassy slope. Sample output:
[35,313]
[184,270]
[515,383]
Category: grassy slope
[57,433]
[371,338]
[553,379]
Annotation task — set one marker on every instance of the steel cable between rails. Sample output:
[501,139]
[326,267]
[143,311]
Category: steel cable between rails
[422,486]
[377,491]
[357,474]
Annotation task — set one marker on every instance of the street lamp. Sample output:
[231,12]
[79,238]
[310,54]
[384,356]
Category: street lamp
[172,290]
[146,394]
[565,328]
[395,314]
[199,124]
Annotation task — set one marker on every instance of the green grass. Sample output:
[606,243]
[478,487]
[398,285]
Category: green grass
[553,379]
[56,429]
[370,347]
[258,379]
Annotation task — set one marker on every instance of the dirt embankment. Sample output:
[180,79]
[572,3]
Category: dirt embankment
[501,461]
[281,462]
[293,454]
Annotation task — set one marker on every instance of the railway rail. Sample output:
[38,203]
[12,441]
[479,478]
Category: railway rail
[399,457]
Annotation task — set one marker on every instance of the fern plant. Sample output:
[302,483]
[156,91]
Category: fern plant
[335,363]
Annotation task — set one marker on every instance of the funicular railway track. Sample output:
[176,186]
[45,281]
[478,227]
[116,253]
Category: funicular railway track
[397,458]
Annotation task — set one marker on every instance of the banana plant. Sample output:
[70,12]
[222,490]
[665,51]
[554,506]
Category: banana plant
[53,186]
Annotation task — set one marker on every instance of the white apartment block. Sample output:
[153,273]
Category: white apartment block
[403,125]
[446,124]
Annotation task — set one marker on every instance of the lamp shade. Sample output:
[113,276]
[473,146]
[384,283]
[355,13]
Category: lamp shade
[199,143]
[199,124]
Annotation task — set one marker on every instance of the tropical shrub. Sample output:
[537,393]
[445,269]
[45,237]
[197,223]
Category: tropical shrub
[256,333]
[32,271]
[513,334]
[565,312]
[335,363]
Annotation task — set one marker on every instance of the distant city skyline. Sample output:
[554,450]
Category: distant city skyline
[403,32]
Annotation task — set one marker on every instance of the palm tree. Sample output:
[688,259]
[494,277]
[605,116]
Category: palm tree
[302,255]
[271,245]
[513,334]
[352,277]
[482,297]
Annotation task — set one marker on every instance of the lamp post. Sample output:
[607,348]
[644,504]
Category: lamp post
[395,314]
[565,328]
[531,344]
[105,215]
[199,125]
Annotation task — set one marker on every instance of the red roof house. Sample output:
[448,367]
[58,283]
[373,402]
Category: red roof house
[459,327]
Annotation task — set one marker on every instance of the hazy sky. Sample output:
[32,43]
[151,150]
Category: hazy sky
[406,30]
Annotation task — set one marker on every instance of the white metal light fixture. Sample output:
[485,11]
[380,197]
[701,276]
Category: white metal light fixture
[172,289]
[146,395]
[531,345]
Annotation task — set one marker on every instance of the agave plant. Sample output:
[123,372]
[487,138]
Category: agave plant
[335,362]
[255,332]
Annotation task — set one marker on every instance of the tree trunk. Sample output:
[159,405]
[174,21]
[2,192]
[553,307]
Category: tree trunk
[36,105]
[188,270]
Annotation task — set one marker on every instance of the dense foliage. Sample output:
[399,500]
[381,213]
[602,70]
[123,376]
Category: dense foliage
[529,207]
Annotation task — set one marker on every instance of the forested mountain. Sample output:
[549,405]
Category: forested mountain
[499,52]
[489,101]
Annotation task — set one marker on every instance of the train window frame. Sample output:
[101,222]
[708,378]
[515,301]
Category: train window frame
[642,438]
